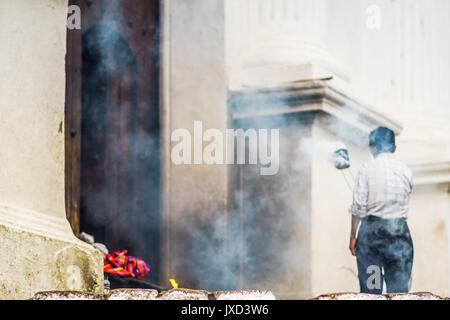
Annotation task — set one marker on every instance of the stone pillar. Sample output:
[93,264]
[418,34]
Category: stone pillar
[277,41]
[298,24]
[193,89]
[38,249]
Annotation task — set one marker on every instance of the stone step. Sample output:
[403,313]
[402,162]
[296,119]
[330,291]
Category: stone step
[190,294]
[151,294]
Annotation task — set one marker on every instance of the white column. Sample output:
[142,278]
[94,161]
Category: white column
[194,89]
[37,247]
[272,33]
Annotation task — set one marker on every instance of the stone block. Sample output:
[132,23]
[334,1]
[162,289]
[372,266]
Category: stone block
[244,295]
[133,294]
[65,295]
[184,294]
[35,262]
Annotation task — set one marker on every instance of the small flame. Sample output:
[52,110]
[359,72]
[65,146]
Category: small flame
[173,283]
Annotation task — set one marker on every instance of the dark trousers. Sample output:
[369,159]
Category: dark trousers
[384,251]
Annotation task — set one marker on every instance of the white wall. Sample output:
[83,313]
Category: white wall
[429,223]
[333,267]
[32,87]
[400,68]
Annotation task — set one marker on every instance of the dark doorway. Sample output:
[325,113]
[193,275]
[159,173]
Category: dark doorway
[112,126]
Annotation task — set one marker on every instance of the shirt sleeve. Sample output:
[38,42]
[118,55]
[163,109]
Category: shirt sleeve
[360,194]
[410,180]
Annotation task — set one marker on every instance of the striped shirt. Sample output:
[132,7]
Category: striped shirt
[382,188]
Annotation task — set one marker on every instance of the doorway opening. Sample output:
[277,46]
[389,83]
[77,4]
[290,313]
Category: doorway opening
[113,128]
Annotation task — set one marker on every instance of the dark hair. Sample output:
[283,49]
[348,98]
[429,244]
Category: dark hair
[382,139]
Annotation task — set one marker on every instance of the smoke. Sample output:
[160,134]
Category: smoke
[324,148]
[262,240]
[250,247]
[219,252]
[120,133]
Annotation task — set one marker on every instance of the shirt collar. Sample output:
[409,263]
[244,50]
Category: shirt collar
[385,155]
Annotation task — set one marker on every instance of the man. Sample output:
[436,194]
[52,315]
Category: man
[380,202]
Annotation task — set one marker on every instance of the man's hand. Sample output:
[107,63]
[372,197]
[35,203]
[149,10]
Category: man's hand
[352,245]
[355,223]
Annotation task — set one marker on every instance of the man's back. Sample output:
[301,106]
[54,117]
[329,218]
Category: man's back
[382,188]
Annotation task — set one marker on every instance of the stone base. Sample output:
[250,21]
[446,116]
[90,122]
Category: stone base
[34,262]
[188,294]
[150,294]
[392,296]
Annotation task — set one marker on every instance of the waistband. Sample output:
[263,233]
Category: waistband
[372,218]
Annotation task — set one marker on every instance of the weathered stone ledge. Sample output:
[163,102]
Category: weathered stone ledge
[392,296]
[151,294]
[189,294]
